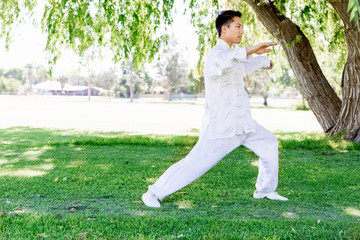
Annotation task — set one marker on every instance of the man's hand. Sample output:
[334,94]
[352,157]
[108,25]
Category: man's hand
[271,65]
[260,48]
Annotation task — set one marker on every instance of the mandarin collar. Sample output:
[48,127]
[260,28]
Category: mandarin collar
[223,44]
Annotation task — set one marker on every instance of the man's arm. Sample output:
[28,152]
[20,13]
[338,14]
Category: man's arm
[260,48]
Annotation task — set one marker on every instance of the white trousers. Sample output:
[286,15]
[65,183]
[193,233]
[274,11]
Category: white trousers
[207,152]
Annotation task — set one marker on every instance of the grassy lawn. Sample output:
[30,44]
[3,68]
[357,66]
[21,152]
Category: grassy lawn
[71,185]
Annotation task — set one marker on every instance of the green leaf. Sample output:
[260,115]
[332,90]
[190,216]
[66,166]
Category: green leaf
[356,17]
[350,5]
[352,15]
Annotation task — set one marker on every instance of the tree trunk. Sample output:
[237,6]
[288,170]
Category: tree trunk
[265,100]
[322,99]
[349,118]
[30,78]
[131,87]
[89,90]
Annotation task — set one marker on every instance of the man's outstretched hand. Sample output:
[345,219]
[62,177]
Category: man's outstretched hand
[260,48]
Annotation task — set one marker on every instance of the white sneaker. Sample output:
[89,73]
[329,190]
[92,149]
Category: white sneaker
[271,196]
[150,200]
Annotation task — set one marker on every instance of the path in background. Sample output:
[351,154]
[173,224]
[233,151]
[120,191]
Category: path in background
[144,116]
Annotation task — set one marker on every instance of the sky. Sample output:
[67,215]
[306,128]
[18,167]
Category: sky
[29,43]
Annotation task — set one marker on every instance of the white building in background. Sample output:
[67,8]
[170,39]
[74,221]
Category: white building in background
[55,88]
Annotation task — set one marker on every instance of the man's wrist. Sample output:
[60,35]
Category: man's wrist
[249,51]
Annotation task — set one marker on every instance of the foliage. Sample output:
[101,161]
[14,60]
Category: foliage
[198,82]
[319,21]
[175,72]
[302,105]
[83,24]
[149,81]
[172,69]
[354,9]
[258,83]
[106,80]
[9,84]
[70,185]
[16,73]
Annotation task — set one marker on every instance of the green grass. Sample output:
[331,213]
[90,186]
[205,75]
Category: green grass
[88,185]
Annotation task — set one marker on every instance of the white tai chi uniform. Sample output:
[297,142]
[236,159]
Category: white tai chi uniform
[227,124]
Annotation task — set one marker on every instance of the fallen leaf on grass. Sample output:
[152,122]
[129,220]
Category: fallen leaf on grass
[181,207]
[83,235]
[289,215]
[112,221]
[314,228]
[42,235]
[214,206]
[64,179]
[19,210]
[58,214]
[181,235]
[73,210]
[56,179]
[68,236]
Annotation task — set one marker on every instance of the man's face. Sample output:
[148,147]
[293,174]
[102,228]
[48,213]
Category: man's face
[233,33]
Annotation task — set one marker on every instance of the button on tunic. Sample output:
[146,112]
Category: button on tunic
[227,108]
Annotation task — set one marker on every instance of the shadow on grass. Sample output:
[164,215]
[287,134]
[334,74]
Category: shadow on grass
[93,173]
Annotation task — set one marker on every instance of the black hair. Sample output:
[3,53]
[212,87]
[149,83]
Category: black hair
[225,18]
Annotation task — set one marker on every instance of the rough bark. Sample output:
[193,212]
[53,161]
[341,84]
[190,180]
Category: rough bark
[349,118]
[322,99]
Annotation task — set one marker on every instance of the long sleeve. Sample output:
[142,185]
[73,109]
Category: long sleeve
[256,63]
[220,61]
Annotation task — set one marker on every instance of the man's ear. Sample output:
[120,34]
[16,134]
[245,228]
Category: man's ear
[224,28]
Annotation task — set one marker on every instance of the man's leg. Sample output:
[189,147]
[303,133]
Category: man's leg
[205,154]
[264,144]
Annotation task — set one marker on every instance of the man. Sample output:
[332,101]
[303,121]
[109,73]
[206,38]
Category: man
[227,122]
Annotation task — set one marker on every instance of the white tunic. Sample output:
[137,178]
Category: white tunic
[227,108]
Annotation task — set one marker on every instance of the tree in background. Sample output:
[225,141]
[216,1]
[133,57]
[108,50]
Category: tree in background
[41,74]
[171,68]
[16,73]
[297,25]
[106,80]
[175,73]
[9,85]
[63,80]
[149,81]
[30,76]
[259,84]
[198,83]
[130,29]
[335,115]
